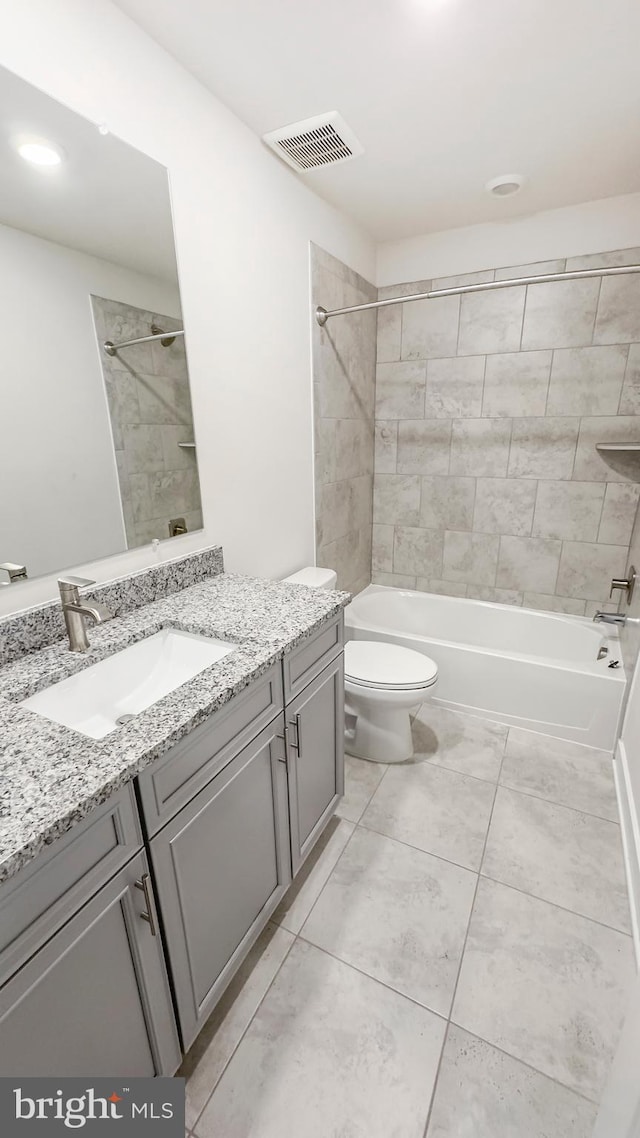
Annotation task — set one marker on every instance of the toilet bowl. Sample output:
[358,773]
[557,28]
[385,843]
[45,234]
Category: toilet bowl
[383,683]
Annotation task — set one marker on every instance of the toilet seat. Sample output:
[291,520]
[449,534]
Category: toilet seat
[376,665]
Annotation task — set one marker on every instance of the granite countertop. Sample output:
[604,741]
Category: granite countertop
[52,777]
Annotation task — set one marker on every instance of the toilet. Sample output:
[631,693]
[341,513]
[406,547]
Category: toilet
[384,682]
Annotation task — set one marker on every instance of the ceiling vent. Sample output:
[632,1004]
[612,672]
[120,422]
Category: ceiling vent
[324,140]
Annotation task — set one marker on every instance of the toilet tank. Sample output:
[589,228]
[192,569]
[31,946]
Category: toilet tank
[315,577]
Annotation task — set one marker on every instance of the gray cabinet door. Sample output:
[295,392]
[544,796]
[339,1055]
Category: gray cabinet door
[95,999]
[315,741]
[221,866]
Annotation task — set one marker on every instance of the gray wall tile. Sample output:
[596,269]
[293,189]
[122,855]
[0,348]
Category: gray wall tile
[560,314]
[417,551]
[396,499]
[454,387]
[400,390]
[586,570]
[386,446]
[504,505]
[516,383]
[447,503]
[480,447]
[586,381]
[491,321]
[618,513]
[430,328]
[493,404]
[470,557]
[618,319]
[543,448]
[344,365]
[423,446]
[568,510]
[382,549]
[537,269]
[630,397]
[592,465]
[528,563]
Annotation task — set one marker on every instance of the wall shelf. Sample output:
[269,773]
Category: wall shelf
[628,448]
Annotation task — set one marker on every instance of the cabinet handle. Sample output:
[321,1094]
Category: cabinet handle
[143,885]
[297,746]
[282,759]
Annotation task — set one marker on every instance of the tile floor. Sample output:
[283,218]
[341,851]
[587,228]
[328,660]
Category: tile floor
[452,961]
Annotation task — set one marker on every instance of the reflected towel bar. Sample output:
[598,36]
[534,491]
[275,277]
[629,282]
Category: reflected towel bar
[111,348]
[574,275]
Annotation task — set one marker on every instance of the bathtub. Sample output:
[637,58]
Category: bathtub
[523,668]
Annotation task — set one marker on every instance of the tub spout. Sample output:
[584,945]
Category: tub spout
[610,618]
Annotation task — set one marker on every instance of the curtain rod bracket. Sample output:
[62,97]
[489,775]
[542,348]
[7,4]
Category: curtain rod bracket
[321,315]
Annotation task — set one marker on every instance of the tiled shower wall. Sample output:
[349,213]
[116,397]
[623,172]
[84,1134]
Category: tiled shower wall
[150,408]
[488,409]
[344,366]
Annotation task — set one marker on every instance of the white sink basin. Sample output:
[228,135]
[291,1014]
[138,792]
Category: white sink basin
[94,701]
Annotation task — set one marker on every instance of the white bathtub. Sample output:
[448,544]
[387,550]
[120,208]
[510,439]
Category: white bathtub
[524,668]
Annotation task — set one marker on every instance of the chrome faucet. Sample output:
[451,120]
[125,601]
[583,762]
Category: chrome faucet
[611,618]
[77,612]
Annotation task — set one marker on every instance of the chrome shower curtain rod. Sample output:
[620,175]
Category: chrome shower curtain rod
[111,348]
[575,275]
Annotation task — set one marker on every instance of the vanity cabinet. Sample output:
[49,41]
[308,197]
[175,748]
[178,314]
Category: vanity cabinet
[221,867]
[214,830]
[95,998]
[315,745]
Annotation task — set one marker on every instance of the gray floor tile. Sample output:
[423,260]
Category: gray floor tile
[560,855]
[330,1052]
[434,809]
[566,773]
[483,1093]
[398,914]
[213,1048]
[460,742]
[547,986]
[302,895]
[360,781]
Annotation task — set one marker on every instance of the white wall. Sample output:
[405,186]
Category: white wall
[60,502]
[593,227]
[243,224]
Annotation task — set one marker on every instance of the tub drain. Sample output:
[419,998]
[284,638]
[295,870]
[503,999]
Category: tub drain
[123,719]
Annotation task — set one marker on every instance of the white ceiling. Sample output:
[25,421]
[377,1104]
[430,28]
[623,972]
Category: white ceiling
[105,198]
[444,94]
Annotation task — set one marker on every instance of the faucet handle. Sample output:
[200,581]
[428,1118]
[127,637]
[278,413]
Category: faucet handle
[625,583]
[79,582]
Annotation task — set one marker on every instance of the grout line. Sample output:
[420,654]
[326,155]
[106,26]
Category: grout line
[554,802]
[595,314]
[529,1066]
[258,1006]
[419,849]
[375,979]
[463,951]
[554,904]
[435,1081]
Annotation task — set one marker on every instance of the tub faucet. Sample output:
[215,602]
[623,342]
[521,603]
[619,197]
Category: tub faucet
[76,611]
[610,618]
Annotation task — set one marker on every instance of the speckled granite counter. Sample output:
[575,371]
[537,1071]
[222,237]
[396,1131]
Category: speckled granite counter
[51,776]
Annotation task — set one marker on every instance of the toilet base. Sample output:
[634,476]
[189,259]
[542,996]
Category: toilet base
[381,735]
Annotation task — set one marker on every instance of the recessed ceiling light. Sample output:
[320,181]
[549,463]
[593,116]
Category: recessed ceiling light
[40,153]
[505,185]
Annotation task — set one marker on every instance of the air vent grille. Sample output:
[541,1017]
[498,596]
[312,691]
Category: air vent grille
[321,141]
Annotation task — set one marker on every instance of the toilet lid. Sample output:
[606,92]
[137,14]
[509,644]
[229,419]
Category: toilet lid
[374,664]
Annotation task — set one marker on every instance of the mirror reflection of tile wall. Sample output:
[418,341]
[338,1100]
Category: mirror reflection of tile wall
[147,388]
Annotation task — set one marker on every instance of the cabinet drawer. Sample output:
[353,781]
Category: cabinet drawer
[304,663]
[175,778]
[42,896]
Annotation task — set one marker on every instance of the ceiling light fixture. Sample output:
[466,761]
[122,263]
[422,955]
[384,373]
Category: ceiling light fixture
[505,185]
[40,153]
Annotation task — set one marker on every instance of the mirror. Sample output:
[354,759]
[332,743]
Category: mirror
[97,451]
